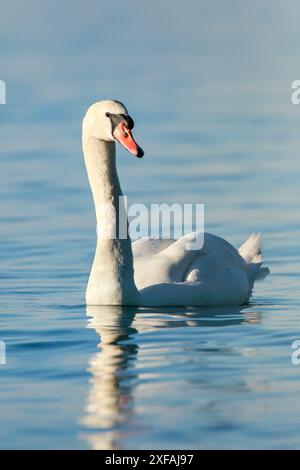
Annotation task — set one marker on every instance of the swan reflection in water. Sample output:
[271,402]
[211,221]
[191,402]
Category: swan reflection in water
[110,397]
[109,408]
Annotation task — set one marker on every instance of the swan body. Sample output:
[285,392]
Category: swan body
[154,272]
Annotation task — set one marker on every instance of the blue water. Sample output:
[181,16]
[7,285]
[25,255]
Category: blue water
[209,85]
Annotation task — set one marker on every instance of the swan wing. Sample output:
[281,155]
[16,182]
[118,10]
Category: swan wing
[161,261]
[147,246]
[214,274]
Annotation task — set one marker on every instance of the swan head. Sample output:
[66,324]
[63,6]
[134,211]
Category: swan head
[109,120]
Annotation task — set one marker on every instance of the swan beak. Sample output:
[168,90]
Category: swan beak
[124,136]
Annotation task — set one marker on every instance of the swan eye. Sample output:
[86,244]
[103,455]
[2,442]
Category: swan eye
[107,114]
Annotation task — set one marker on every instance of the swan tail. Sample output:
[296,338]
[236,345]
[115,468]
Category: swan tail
[251,252]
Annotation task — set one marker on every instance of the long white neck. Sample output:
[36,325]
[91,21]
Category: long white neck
[111,281]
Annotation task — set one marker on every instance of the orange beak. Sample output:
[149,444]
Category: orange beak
[124,136]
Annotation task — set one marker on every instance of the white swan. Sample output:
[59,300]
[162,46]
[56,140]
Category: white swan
[154,272]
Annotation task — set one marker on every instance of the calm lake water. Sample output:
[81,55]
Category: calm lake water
[209,86]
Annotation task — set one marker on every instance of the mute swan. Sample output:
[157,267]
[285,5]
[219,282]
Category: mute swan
[154,272]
